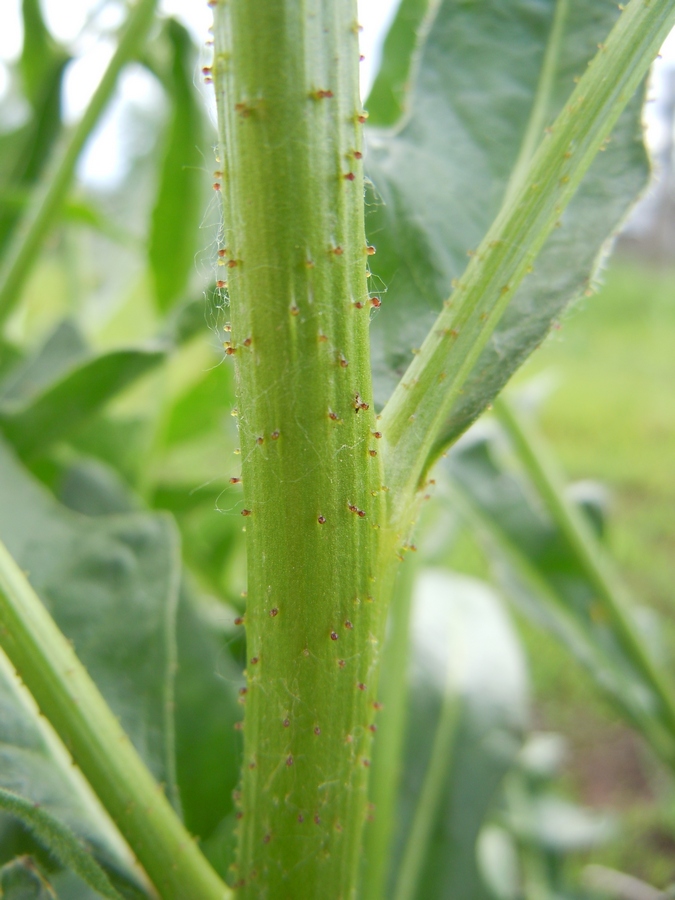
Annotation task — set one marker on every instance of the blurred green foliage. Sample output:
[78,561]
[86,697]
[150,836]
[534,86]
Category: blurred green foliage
[115,400]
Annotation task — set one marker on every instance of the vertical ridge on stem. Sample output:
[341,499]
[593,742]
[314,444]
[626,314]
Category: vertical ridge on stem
[294,247]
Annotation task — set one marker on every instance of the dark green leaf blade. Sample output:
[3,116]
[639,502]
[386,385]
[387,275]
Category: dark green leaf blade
[27,150]
[60,387]
[64,348]
[175,218]
[441,178]
[387,98]
[111,584]
[21,880]
[26,883]
[208,749]
[39,53]
[39,786]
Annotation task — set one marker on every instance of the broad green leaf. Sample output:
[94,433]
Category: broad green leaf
[491,76]
[465,653]
[10,357]
[62,385]
[120,442]
[202,408]
[178,207]
[67,884]
[40,787]
[64,348]
[21,880]
[543,576]
[387,99]
[94,489]
[111,584]
[208,748]
[209,539]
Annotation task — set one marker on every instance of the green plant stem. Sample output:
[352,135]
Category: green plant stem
[414,418]
[67,696]
[25,247]
[542,101]
[542,470]
[388,748]
[320,556]
[427,807]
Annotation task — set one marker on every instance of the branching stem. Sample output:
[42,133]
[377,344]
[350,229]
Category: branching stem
[414,417]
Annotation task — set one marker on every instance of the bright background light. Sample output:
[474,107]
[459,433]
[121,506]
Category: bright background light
[82,26]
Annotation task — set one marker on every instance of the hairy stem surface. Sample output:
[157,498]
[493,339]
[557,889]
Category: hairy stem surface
[320,559]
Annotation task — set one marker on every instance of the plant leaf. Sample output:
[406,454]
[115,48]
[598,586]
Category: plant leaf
[441,177]
[21,880]
[28,149]
[208,749]
[202,408]
[464,651]
[178,207]
[39,786]
[64,348]
[62,385]
[111,584]
[40,53]
[387,100]
[63,844]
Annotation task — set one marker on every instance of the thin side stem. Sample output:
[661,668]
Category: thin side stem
[30,234]
[542,470]
[427,808]
[67,696]
[542,101]
[414,417]
[388,749]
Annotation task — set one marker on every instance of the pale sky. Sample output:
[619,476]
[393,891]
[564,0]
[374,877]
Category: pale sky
[78,24]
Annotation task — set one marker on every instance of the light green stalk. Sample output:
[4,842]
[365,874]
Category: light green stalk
[320,559]
[388,749]
[414,417]
[47,203]
[65,693]
[427,809]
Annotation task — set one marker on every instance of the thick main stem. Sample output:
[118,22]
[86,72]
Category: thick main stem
[320,558]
